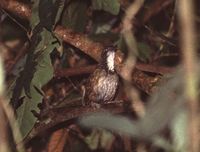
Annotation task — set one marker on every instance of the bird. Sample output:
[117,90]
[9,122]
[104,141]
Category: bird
[102,84]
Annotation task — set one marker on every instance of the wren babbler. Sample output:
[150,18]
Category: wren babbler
[102,84]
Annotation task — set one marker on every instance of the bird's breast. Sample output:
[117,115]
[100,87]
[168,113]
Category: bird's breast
[105,87]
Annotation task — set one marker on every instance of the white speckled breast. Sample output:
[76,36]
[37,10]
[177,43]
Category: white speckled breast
[101,86]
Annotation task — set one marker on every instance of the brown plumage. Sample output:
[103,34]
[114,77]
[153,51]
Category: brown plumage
[102,84]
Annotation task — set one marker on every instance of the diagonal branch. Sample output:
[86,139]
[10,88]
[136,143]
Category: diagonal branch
[86,45]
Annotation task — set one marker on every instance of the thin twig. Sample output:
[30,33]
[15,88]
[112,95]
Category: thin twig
[8,112]
[188,44]
[170,31]
[14,20]
[131,59]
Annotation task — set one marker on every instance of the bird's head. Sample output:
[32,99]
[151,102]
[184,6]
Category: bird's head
[108,58]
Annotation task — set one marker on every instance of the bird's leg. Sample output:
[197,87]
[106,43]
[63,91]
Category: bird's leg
[113,102]
[83,95]
[95,105]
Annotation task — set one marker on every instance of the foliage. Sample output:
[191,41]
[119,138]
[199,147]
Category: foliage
[45,78]
[111,6]
[74,16]
[38,69]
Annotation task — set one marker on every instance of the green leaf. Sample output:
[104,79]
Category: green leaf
[144,51]
[37,72]
[121,44]
[120,124]
[60,6]
[179,131]
[103,38]
[74,16]
[35,14]
[25,117]
[49,12]
[46,12]
[111,6]
[99,138]
[112,122]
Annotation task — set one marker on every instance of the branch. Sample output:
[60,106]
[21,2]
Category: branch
[80,41]
[191,76]
[154,68]
[74,71]
[20,9]
[59,115]
[89,69]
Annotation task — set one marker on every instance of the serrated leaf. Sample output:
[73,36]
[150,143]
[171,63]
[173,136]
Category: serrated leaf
[111,6]
[44,72]
[25,117]
[37,72]
[74,16]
